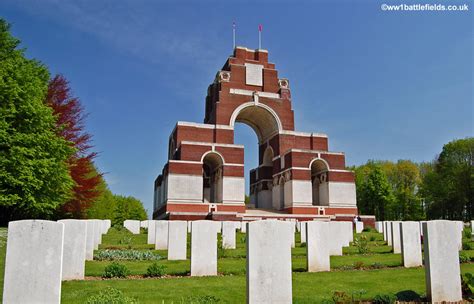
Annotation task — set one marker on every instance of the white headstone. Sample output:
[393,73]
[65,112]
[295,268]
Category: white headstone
[359,227]
[460,225]
[379,227]
[106,226]
[442,269]
[189,226]
[151,232]
[90,239]
[33,265]
[177,240]
[337,237]
[97,233]
[348,232]
[317,250]
[298,226]
[204,248]
[132,225]
[144,224]
[472,230]
[411,244]
[396,239]
[243,227]
[161,235]
[303,232]
[269,262]
[74,251]
[388,231]
[228,234]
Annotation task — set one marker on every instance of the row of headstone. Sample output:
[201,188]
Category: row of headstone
[133,226]
[40,254]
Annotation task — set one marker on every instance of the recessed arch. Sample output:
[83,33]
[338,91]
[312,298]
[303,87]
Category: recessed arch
[318,164]
[260,117]
[212,176]
[319,168]
[216,154]
[268,157]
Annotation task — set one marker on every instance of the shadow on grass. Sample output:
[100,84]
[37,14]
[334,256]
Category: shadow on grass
[408,296]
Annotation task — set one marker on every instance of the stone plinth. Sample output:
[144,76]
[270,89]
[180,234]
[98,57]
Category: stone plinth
[33,265]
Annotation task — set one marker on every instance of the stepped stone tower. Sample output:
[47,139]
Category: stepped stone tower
[297,176]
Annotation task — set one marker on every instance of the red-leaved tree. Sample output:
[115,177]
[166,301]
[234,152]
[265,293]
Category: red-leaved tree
[70,120]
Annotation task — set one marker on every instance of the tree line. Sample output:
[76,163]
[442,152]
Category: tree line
[404,190]
[47,167]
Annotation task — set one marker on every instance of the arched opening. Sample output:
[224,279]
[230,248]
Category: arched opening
[265,124]
[319,169]
[212,178]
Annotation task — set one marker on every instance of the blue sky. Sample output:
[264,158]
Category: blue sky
[382,85]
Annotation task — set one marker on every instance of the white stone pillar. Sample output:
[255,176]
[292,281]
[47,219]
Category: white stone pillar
[151,232]
[33,264]
[228,234]
[132,225]
[396,239]
[90,240]
[204,248]
[269,262]
[177,240]
[411,244]
[74,251]
[359,227]
[317,249]
[161,235]
[442,269]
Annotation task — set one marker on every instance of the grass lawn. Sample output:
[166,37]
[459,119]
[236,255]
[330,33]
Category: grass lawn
[378,272]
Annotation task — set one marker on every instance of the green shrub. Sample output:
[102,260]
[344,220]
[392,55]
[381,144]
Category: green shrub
[110,295]
[384,299]
[155,270]
[303,245]
[464,258]
[467,233]
[125,255]
[372,238]
[466,246]
[115,270]
[467,285]
[362,244]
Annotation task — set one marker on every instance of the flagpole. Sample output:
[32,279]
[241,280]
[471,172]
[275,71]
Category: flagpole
[233,34]
[259,36]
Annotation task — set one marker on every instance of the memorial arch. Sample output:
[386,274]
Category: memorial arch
[296,172]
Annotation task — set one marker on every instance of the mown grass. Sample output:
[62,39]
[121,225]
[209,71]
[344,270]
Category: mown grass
[378,272]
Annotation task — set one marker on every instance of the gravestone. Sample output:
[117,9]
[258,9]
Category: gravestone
[442,269]
[144,224]
[303,232]
[97,233]
[298,226]
[317,250]
[161,235]
[74,251]
[151,232]
[204,248]
[228,234]
[472,230]
[177,240]
[243,227]
[106,224]
[411,244]
[33,264]
[460,225]
[132,225]
[379,227]
[337,237]
[388,231]
[269,262]
[90,240]
[359,227]
[396,239]
[189,226]
[347,227]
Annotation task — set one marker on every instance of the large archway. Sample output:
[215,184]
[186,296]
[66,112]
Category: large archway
[320,191]
[265,123]
[212,178]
